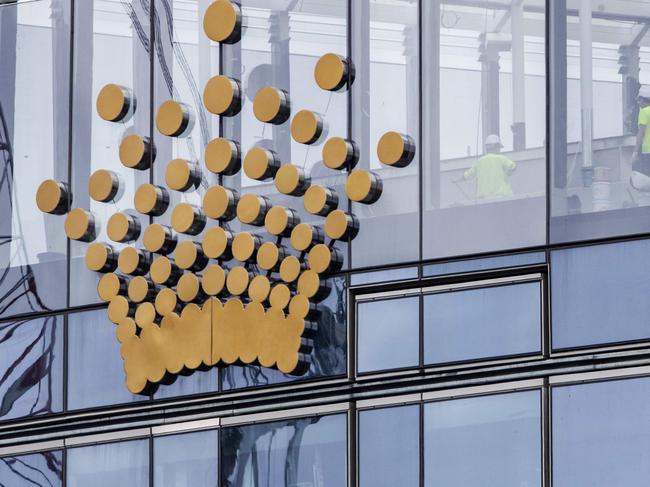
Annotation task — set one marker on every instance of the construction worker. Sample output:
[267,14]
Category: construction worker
[640,178]
[492,171]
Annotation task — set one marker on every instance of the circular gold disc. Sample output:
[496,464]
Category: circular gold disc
[223,156]
[259,289]
[78,224]
[132,151]
[219,203]
[161,269]
[109,286]
[237,280]
[150,199]
[180,175]
[186,254]
[362,186]
[97,256]
[302,237]
[315,200]
[155,237]
[112,103]
[319,258]
[221,95]
[186,219]
[188,287]
[299,306]
[330,72]
[172,118]
[122,228]
[51,198]
[268,256]
[337,153]
[309,283]
[216,242]
[306,127]
[103,185]
[129,260]
[249,209]
[290,179]
[259,164]
[138,289]
[277,220]
[222,21]
[394,149]
[244,246]
[166,301]
[290,269]
[280,296]
[214,280]
[270,105]
[145,314]
[118,309]
[336,224]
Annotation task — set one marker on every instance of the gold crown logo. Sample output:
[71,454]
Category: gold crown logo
[230,298]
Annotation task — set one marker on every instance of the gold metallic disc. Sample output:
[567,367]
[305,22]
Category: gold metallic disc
[306,127]
[339,153]
[217,243]
[188,287]
[132,261]
[114,103]
[395,149]
[223,156]
[280,220]
[304,235]
[188,219]
[320,258]
[290,268]
[162,270]
[309,283]
[237,280]
[213,280]
[331,72]
[220,203]
[271,105]
[290,179]
[101,257]
[52,197]
[166,302]
[159,239]
[145,314]
[189,255]
[268,256]
[259,289]
[244,246]
[123,228]
[222,96]
[363,186]
[139,289]
[103,185]
[150,199]
[173,118]
[110,285]
[222,21]
[134,152]
[299,306]
[125,330]
[80,225]
[182,175]
[252,209]
[119,309]
[280,296]
[260,164]
[319,200]
[339,225]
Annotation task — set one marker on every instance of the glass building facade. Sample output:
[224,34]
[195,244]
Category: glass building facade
[490,324]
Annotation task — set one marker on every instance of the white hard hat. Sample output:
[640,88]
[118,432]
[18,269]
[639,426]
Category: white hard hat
[493,139]
[644,92]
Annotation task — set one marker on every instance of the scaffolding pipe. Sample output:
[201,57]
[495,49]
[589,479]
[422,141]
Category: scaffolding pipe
[518,76]
[586,83]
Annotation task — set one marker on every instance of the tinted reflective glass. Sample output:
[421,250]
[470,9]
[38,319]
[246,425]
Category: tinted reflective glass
[384,276]
[484,264]
[187,460]
[39,469]
[599,294]
[108,465]
[389,447]
[490,440]
[387,334]
[31,367]
[488,322]
[95,368]
[34,103]
[309,451]
[601,434]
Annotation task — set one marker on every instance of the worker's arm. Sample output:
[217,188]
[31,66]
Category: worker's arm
[509,166]
[640,135]
[470,173]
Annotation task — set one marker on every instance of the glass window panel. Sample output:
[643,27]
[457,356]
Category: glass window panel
[307,451]
[389,447]
[489,263]
[187,460]
[600,171]
[487,322]
[31,365]
[385,98]
[384,276]
[489,440]
[485,161]
[102,30]
[108,465]
[599,294]
[329,356]
[34,113]
[95,368]
[199,382]
[388,334]
[44,468]
[601,434]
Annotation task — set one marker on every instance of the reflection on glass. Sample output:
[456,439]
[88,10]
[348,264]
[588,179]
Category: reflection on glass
[34,86]
[384,276]
[485,163]
[328,356]
[601,159]
[389,447]
[385,98]
[201,381]
[308,451]
[489,440]
[102,30]
[95,368]
[599,294]
[187,460]
[589,450]
[473,265]
[31,361]
[479,323]
[40,469]
[387,334]
[109,465]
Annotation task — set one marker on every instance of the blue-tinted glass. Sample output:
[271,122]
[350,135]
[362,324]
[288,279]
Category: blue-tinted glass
[31,367]
[187,460]
[38,469]
[487,322]
[34,106]
[109,465]
[308,451]
[600,294]
[473,265]
[329,353]
[388,334]
[95,369]
[384,276]
[389,447]
[490,440]
[200,381]
[601,434]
